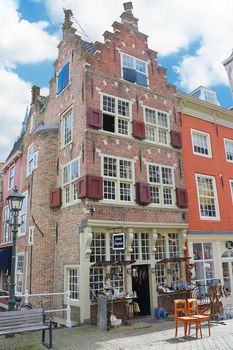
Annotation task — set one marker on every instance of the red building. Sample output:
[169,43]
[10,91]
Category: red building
[207,136]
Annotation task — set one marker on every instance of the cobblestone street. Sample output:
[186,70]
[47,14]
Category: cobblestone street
[141,335]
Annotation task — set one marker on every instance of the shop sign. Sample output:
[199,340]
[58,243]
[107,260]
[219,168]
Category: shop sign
[229,245]
[118,241]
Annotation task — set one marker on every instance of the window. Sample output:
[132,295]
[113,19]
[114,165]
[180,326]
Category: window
[73,282]
[118,179]
[201,143]
[141,247]
[157,126]
[231,189]
[63,78]
[96,281]
[204,263]
[227,270]
[32,122]
[31,235]
[71,173]
[117,278]
[134,70]
[167,246]
[207,197]
[161,179]
[6,236]
[23,216]
[67,128]
[116,115]
[19,273]
[11,176]
[229,149]
[32,160]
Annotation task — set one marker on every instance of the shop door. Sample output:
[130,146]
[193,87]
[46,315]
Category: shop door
[140,284]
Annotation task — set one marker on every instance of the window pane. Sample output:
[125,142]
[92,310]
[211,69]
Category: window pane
[162,119]
[200,143]
[167,175]
[154,174]
[150,115]
[110,167]
[208,250]
[125,192]
[197,251]
[109,104]
[109,190]
[123,108]
[128,61]
[125,169]
[229,149]
[141,66]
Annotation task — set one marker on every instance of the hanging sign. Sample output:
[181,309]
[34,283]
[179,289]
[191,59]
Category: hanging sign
[229,245]
[118,241]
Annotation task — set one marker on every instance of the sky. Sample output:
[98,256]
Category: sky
[192,39]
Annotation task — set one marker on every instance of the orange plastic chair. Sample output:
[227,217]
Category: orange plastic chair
[192,307]
[180,306]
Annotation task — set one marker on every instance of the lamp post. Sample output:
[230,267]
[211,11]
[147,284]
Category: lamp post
[15,202]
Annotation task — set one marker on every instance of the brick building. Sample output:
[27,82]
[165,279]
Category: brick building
[207,132]
[102,171]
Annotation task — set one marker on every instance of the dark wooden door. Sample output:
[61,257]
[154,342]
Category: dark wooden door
[140,285]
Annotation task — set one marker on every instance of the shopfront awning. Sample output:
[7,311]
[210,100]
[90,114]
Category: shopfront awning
[5,258]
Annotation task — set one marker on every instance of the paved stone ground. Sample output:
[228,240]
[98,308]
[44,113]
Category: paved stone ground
[144,335]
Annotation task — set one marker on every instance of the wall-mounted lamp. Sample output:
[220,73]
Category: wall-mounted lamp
[153,270]
[132,271]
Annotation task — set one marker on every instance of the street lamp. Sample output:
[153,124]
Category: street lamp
[15,202]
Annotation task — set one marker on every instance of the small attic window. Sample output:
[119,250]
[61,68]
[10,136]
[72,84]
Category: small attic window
[134,70]
[63,78]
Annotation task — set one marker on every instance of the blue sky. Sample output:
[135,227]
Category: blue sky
[190,45]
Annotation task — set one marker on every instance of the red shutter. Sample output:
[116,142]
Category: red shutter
[90,187]
[143,196]
[139,129]
[181,198]
[95,118]
[82,187]
[55,198]
[94,187]
[176,140]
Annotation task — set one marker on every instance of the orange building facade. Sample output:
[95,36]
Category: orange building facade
[207,137]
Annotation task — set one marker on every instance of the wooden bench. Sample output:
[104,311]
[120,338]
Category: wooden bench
[14,322]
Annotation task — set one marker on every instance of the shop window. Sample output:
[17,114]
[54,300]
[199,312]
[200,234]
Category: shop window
[19,273]
[72,277]
[116,115]
[141,247]
[117,278]
[98,247]
[134,70]
[118,179]
[157,126]
[161,180]
[201,143]
[207,197]
[96,281]
[204,263]
[160,247]
[229,150]
[174,245]
[70,176]
[227,270]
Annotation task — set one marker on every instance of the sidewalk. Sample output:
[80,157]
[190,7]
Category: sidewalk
[144,334]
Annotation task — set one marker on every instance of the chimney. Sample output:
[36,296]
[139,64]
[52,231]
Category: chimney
[127,16]
[35,94]
[67,25]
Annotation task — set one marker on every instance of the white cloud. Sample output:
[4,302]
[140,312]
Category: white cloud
[171,26]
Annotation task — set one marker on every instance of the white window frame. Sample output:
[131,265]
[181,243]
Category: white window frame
[23,213]
[67,269]
[231,188]
[117,116]
[162,186]
[205,134]
[68,185]
[228,260]
[6,232]
[156,127]
[135,59]
[31,231]
[217,218]
[32,161]
[226,141]
[118,180]
[204,261]
[11,177]
[21,273]
[64,116]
